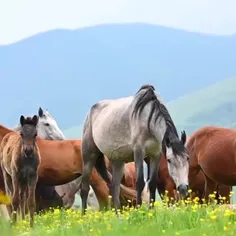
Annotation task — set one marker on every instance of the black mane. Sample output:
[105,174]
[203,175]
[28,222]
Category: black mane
[171,131]
[150,96]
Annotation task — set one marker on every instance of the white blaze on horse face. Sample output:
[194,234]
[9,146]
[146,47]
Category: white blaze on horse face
[178,167]
[48,127]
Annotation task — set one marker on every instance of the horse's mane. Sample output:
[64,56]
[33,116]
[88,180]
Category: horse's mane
[29,121]
[18,127]
[156,105]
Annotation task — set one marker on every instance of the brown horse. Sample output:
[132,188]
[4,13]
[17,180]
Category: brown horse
[61,163]
[20,161]
[197,184]
[213,151]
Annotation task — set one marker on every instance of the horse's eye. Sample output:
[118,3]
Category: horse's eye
[169,160]
[46,124]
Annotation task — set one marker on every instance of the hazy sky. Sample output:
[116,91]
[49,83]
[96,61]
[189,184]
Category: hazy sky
[23,18]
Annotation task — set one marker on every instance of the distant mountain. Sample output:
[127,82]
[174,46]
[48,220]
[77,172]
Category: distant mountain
[67,71]
[213,105]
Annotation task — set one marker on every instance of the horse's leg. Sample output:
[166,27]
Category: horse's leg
[117,174]
[15,197]
[4,212]
[170,187]
[147,161]
[210,187]
[31,199]
[90,154]
[154,161]
[7,182]
[22,200]
[138,159]
[224,191]
[8,187]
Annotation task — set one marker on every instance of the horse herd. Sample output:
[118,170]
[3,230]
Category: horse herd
[41,169]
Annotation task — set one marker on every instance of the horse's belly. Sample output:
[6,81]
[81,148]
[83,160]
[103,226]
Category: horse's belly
[220,170]
[124,154]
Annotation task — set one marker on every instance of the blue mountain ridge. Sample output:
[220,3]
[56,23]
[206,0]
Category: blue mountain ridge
[67,71]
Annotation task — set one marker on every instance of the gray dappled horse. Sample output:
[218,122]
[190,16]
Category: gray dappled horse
[130,129]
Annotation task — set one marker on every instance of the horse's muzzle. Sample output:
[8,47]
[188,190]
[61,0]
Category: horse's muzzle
[28,151]
[183,190]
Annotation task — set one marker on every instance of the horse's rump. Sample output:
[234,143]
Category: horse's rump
[212,149]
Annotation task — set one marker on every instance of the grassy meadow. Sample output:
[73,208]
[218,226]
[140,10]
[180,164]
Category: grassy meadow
[185,218]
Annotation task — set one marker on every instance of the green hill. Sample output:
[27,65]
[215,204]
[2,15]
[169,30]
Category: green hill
[213,105]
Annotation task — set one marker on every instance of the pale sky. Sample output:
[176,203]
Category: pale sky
[23,18]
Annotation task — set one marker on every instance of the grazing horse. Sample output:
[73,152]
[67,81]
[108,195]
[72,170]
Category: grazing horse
[197,184]
[213,151]
[20,161]
[130,129]
[61,163]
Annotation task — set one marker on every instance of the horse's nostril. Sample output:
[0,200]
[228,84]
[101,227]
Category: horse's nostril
[183,189]
[28,151]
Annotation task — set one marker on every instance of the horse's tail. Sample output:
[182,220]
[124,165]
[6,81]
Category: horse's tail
[4,212]
[101,168]
[146,193]
[128,193]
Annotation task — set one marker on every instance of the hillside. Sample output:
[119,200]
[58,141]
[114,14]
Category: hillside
[213,105]
[66,71]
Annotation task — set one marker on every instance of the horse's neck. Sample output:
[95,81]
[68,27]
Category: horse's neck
[159,127]
[4,131]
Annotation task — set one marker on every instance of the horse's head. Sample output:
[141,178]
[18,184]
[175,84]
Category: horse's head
[28,132]
[177,160]
[48,127]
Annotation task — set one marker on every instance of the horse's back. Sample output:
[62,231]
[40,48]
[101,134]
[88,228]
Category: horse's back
[108,125]
[10,147]
[60,161]
[211,140]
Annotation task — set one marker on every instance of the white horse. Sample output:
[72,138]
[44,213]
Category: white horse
[130,129]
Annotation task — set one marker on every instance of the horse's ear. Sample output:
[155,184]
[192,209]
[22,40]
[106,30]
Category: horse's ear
[40,112]
[183,137]
[167,142]
[35,120]
[22,120]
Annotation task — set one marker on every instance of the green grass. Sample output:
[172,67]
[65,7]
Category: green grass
[180,220]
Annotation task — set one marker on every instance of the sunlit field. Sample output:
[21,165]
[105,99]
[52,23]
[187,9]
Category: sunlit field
[185,218]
